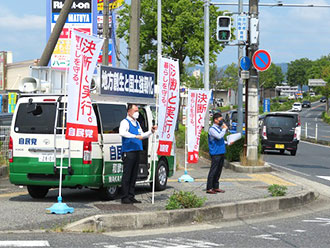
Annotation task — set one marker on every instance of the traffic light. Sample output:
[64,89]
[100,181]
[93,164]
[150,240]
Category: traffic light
[223,28]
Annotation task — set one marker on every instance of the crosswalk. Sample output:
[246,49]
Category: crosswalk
[24,243]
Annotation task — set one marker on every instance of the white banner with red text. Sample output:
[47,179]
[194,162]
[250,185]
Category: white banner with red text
[168,102]
[81,119]
[198,101]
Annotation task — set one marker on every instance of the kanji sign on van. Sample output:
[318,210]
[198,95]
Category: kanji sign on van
[123,82]
[81,122]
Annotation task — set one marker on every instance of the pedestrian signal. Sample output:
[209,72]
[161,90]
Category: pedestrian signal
[223,28]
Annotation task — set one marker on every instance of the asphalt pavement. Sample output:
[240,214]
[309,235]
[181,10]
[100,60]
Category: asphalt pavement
[312,117]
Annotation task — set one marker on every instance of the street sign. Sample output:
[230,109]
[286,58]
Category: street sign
[245,74]
[266,105]
[245,63]
[261,60]
[242,27]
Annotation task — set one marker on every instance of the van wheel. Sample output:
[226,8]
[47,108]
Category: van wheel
[282,151]
[37,192]
[108,193]
[293,153]
[161,176]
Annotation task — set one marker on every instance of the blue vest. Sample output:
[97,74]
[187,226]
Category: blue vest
[216,146]
[132,144]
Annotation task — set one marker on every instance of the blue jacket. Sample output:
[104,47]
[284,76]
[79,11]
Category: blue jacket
[216,140]
[132,144]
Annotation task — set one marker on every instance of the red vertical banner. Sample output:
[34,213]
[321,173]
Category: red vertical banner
[198,101]
[81,119]
[168,102]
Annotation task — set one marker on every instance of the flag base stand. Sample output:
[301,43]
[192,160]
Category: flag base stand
[185,178]
[60,208]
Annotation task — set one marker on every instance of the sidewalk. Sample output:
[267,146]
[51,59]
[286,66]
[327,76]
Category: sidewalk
[246,195]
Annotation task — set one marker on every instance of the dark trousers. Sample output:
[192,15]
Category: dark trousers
[215,171]
[130,171]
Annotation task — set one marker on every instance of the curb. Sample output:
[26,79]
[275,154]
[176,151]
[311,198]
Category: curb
[3,171]
[235,166]
[161,219]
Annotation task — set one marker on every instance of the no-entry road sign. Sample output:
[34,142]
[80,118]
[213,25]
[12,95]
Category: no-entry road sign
[261,60]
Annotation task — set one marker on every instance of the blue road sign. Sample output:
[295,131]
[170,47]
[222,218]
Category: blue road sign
[245,63]
[266,105]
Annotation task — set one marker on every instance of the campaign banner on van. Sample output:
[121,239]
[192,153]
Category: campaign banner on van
[198,101]
[168,102]
[123,82]
[81,119]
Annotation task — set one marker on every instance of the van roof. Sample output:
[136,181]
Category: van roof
[103,98]
[282,113]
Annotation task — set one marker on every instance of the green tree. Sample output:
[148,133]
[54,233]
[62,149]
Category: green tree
[297,72]
[229,78]
[182,31]
[325,90]
[315,71]
[271,77]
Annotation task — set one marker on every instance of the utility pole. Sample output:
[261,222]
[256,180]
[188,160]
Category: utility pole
[134,35]
[105,52]
[240,81]
[48,51]
[252,104]
[206,55]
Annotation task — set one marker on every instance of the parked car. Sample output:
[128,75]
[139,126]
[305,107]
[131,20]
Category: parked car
[292,97]
[323,99]
[297,107]
[306,104]
[311,93]
[281,131]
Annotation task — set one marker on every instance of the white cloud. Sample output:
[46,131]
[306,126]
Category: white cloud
[26,22]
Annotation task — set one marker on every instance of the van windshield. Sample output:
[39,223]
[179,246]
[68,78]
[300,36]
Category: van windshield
[35,118]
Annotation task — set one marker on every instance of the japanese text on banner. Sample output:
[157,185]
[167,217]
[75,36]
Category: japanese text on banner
[81,120]
[168,104]
[198,101]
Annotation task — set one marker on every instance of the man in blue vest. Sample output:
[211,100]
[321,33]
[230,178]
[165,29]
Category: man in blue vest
[132,136]
[217,150]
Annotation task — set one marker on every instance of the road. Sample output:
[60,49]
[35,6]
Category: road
[308,230]
[313,116]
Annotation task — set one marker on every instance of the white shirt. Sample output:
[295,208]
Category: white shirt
[124,129]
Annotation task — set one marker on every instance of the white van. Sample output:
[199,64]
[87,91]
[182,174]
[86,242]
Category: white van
[36,142]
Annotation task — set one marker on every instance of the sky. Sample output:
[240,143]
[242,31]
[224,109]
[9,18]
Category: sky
[286,33]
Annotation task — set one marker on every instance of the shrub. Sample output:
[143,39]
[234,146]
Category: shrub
[184,199]
[204,145]
[325,117]
[277,190]
[180,136]
[234,151]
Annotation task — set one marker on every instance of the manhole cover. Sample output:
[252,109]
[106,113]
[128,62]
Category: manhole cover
[117,207]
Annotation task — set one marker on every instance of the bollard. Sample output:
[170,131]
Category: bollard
[316,132]
[306,130]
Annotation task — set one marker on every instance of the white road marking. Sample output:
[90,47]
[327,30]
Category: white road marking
[325,177]
[163,243]
[314,144]
[284,168]
[323,221]
[299,231]
[272,226]
[266,236]
[24,243]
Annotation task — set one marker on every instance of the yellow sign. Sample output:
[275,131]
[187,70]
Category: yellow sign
[12,98]
[62,47]
[113,4]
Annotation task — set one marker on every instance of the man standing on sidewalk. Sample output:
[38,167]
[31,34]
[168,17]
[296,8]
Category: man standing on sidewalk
[132,136]
[217,150]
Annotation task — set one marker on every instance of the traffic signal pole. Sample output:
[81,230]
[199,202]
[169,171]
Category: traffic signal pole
[206,55]
[240,81]
[252,105]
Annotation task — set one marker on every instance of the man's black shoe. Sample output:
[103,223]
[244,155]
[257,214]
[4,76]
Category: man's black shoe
[126,201]
[133,200]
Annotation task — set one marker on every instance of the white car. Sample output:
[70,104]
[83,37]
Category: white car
[292,97]
[297,106]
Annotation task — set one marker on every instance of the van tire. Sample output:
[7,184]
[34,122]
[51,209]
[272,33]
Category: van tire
[161,176]
[293,153]
[282,151]
[37,192]
[108,193]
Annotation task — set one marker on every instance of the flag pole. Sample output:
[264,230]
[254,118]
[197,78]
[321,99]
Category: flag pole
[186,178]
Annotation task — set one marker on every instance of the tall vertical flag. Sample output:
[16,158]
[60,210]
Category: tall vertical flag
[81,119]
[198,101]
[168,102]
